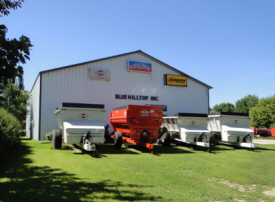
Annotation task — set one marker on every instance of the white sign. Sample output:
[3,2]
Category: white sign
[100,74]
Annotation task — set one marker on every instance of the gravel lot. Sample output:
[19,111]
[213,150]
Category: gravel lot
[263,141]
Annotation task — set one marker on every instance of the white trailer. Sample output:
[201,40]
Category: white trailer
[80,123]
[190,128]
[231,129]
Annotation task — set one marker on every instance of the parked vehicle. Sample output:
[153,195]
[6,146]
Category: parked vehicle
[136,124]
[190,128]
[82,124]
[231,129]
[263,132]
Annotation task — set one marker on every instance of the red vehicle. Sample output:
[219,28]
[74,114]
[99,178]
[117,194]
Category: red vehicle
[273,132]
[264,132]
[136,124]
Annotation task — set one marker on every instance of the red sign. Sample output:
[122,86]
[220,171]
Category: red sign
[100,73]
[235,121]
[193,122]
[83,115]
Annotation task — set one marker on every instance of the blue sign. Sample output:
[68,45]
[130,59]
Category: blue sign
[139,66]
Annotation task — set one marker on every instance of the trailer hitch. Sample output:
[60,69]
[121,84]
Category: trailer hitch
[200,137]
[87,142]
[87,138]
[245,138]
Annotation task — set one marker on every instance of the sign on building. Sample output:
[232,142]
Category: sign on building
[175,80]
[139,67]
[101,74]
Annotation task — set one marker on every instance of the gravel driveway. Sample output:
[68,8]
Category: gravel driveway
[263,141]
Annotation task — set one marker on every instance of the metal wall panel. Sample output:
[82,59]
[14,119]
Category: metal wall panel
[32,119]
[74,85]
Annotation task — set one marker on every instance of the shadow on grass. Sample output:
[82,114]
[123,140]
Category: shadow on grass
[259,149]
[103,149]
[22,182]
[130,149]
[159,149]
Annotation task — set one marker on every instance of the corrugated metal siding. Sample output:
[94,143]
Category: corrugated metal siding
[32,120]
[73,85]
[28,120]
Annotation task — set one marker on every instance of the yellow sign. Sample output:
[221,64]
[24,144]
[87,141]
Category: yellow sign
[174,80]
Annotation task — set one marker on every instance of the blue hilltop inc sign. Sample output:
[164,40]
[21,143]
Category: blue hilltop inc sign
[136,97]
[139,66]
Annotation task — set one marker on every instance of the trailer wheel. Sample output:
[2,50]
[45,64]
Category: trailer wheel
[57,139]
[166,139]
[118,139]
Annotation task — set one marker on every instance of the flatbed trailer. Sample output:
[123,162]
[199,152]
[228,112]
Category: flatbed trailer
[136,124]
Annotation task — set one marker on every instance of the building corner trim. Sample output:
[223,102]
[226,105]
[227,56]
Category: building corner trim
[40,95]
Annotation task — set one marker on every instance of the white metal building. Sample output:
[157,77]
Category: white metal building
[131,78]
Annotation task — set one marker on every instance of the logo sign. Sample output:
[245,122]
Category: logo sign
[139,67]
[236,121]
[83,115]
[175,80]
[100,74]
[144,113]
[193,122]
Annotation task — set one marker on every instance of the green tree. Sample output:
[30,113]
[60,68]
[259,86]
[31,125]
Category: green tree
[5,5]
[263,114]
[224,107]
[243,105]
[14,100]
[12,53]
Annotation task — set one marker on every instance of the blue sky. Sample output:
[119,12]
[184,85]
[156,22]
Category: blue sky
[228,45]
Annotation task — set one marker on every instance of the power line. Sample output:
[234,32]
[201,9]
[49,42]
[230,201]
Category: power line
[246,80]
[236,80]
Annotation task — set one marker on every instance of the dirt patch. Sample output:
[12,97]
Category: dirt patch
[242,188]
[270,192]
[233,185]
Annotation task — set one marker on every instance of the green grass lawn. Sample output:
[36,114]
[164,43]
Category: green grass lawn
[35,172]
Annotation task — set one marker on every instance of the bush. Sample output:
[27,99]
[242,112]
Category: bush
[49,136]
[10,129]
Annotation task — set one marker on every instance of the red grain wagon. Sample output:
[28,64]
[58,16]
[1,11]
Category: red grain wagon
[263,132]
[136,124]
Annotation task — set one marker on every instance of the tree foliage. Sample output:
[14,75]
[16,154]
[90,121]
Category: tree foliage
[12,53]
[14,100]
[224,107]
[243,105]
[263,114]
[5,5]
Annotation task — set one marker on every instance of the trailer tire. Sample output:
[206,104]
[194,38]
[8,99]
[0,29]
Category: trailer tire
[57,139]
[118,139]
[166,139]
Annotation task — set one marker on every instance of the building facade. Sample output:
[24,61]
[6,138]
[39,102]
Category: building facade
[131,78]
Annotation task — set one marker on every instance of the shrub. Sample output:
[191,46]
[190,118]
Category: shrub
[10,129]
[49,136]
